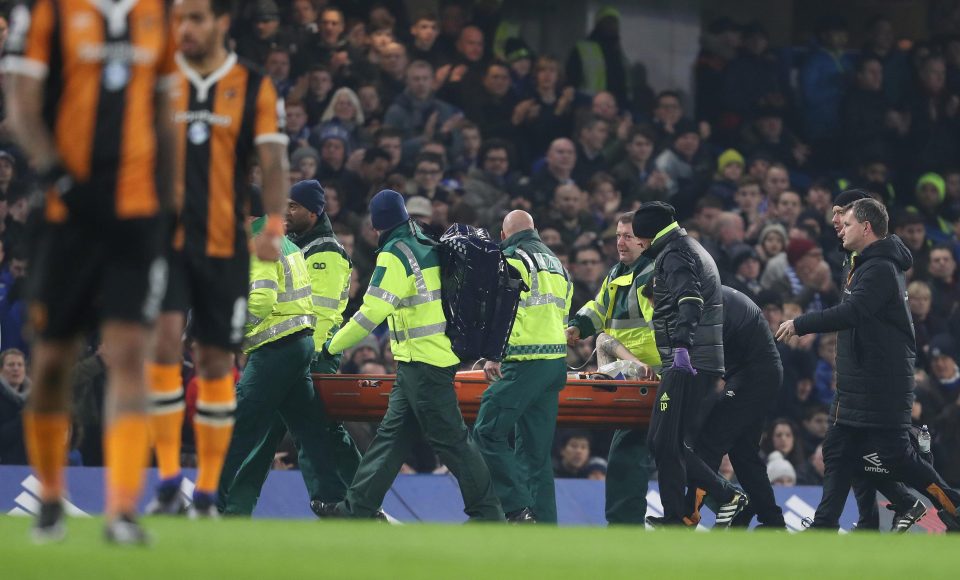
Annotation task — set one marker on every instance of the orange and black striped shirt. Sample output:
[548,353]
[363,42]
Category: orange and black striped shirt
[102,63]
[220,119]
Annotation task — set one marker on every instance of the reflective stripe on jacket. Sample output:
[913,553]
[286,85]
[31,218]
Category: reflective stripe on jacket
[405,291]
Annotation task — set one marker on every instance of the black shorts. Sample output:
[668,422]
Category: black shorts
[84,272]
[215,292]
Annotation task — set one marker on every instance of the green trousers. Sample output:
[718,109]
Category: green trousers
[524,402]
[276,381]
[422,398]
[628,473]
[326,485]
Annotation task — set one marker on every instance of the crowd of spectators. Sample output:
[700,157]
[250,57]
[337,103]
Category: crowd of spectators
[469,123]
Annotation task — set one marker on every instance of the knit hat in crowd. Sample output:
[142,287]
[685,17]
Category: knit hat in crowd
[778,467]
[935,180]
[387,210]
[740,254]
[419,206]
[336,132]
[727,157]
[798,248]
[773,228]
[849,196]
[652,217]
[310,195]
[302,153]
[943,345]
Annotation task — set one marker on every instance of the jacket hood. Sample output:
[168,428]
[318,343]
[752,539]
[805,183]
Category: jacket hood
[889,248]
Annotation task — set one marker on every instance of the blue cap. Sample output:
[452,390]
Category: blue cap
[387,210]
[310,195]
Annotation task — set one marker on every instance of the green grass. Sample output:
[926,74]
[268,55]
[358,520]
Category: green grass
[263,549]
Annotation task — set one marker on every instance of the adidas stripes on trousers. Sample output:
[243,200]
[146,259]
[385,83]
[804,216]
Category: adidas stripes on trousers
[683,403]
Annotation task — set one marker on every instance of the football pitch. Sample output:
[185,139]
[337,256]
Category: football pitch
[184,549]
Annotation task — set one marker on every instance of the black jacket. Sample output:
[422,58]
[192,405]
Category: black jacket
[687,301]
[876,347]
[747,340]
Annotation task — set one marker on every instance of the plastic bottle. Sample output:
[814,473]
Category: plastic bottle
[924,439]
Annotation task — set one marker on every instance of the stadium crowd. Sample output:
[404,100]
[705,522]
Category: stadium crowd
[470,124]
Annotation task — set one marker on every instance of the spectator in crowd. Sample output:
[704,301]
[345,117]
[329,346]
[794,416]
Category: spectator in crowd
[519,57]
[811,472]
[334,149]
[277,67]
[568,215]
[752,80]
[598,62]
[390,139]
[930,194]
[748,199]
[338,215]
[587,268]
[306,160]
[371,105]
[766,132]
[547,113]
[816,421]
[423,33]
[667,114]
[932,141]
[13,304]
[925,326]
[824,375]
[943,282]
[462,77]
[726,236]
[869,123]
[688,166]
[344,112]
[14,387]
[772,248]
[560,161]
[745,266]
[427,174]
[787,208]
[881,45]
[637,176]
[392,71]
[776,180]
[945,382]
[822,81]
[807,278]
[574,456]
[488,188]
[782,437]
[8,166]
[718,46]
[265,34]
[419,115]
[780,471]
[727,178]
[605,200]
[590,141]
[493,107]
[943,369]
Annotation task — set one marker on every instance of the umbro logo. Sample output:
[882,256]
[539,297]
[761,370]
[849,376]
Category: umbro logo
[28,502]
[875,465]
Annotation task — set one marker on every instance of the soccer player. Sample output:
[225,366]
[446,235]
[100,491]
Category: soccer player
[224,113]
[87,90]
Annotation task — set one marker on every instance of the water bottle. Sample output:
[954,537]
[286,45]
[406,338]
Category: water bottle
[924,439]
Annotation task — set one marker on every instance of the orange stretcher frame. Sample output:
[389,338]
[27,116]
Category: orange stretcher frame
[584,402]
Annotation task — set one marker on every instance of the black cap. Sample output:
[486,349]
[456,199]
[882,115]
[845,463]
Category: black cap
[849,196]
[652,217]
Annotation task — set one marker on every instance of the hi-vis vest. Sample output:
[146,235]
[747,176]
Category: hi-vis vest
[329,269]
[279,303]
[593,65]
[621,310]
[538,331]
[405,291]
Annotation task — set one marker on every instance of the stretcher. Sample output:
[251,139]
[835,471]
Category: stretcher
[585,402]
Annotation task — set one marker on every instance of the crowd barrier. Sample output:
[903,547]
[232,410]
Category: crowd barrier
[413,498]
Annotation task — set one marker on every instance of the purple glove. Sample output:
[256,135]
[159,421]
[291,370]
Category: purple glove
[681,361]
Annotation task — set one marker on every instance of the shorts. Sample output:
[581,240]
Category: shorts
[84,272]
[215,292]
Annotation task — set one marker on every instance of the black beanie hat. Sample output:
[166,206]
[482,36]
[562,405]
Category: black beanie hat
[851,195]
[652,217]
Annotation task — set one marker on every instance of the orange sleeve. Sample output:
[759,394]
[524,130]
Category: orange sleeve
[269,122]
[30,42]
[167,65]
